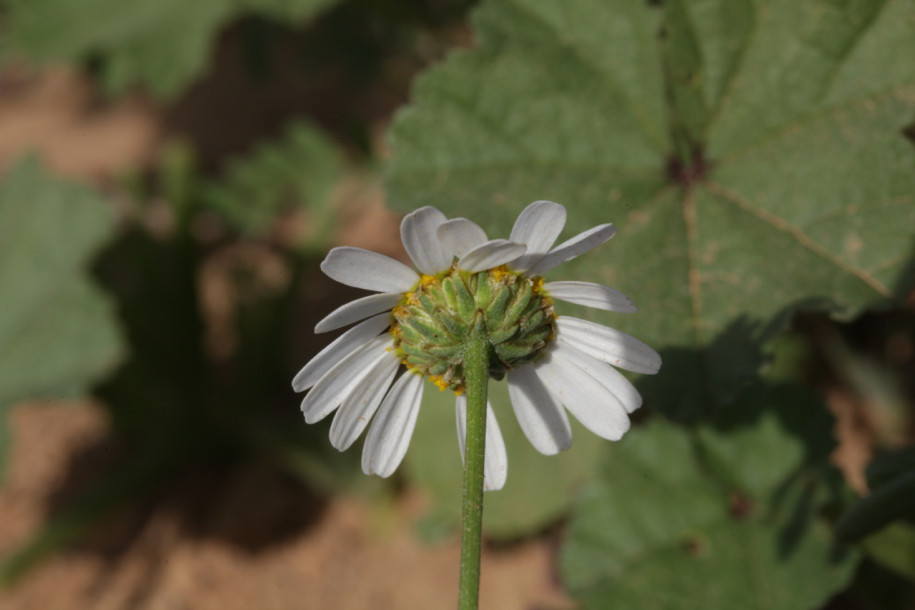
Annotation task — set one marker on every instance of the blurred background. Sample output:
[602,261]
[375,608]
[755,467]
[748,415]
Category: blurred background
[172,174]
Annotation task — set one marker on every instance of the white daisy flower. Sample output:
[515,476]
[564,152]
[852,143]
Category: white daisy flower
[417,320]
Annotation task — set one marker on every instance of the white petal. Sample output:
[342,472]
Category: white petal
[418,233]
[541,417]
[341,347]
[568,250]
[591,404]
[354,415]
[391,430]
[538,226]
[604,374]
[459,236]
[608,344]
[495,459]
[341,381]
[357,310]
[366,269]
[597,296]
[490,254]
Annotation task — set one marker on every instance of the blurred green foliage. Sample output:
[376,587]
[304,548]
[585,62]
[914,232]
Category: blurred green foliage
[57,329]
[894,547]
[259,188]
[173,403]
[753,154]
[163,45]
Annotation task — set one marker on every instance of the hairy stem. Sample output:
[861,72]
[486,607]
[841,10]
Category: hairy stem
[476,370]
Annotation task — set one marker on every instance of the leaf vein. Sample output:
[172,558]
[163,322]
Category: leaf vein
[728,89]
[804,240]
[824,112]
[886,264]
[847,52]
[692,255]
[853,208]
[522,164]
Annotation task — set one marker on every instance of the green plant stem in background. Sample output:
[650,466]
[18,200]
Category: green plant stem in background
[476,370]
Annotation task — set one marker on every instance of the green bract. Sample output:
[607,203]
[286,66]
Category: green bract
[440,312]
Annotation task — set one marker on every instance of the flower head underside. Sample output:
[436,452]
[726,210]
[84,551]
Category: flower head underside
[432,323]
[415,324]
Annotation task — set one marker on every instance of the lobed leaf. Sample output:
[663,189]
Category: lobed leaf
[893,547]
[752,158]
[57,329]
[725,517]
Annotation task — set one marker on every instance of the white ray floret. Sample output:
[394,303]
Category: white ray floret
[459,236]
[591,404]
[495,459]
[538,226]
[391,429]
[542,418]
[353,416]
[567,250]
[369,270]
[490,254]
[418,233]
[608,344]
[339,349]
[358,310]
[609,378]
[342,380]
[597,296]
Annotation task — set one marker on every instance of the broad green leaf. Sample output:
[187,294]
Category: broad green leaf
[883,505]
[894,547]
[726,518]
[56,328]
[752,159]
[539,488]
[163,44]
[299,170]
[778,432]
[293,10]
[890,465]
[891,479]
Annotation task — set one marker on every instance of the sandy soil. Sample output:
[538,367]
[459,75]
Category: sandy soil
[56,115]
[353,555]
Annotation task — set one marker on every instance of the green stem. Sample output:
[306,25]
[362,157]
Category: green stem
[476,375]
